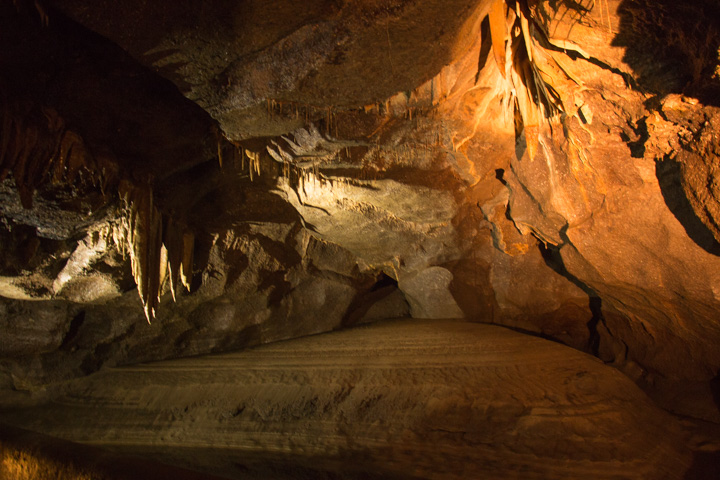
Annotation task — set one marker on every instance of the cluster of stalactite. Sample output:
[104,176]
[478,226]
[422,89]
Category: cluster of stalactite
[37,148]
[298,176]
[309,113]
[535,65]
[402,105]
[160,248]
[240,157]
[37,6]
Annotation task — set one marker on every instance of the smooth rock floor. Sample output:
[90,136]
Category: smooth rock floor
[398,399]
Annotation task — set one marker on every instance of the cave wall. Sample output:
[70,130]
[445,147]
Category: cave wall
[350,161]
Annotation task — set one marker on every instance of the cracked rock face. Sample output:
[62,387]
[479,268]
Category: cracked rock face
[246,172]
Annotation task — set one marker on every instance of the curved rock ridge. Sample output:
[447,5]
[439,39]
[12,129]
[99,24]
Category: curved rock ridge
[419,398]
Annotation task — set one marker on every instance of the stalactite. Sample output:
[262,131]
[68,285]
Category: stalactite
[220,139]
[139,205]
[161,249]
[37,148]
[309,113]
[172,241]
[39,9]
[253,163]
[540,85]
[188,246]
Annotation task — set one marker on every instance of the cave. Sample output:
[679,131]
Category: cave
[359,239]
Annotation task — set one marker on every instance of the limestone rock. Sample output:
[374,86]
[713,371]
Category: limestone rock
[698,159]
[31,328]
[390,305]
[316,152]
[416,397]
[428,294]
[382,222]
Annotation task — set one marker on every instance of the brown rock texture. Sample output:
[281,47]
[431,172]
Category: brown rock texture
[194,177]
[407,399]
[32,456]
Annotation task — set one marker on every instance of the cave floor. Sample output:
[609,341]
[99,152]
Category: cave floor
[395,399]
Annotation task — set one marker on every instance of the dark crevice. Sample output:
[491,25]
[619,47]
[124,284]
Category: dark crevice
[532,333]
[201,255]
[75,324]
[508,215]
[364,300]
[485,46]
[383,281]
[597,317]
[637,147]
[553,259]
[630,81]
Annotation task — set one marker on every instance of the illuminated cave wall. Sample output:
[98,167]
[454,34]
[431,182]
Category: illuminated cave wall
[238,173]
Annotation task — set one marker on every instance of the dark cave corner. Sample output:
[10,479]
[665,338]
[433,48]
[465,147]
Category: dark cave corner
[685,50]
[365,299]
[684,62]
[706,464]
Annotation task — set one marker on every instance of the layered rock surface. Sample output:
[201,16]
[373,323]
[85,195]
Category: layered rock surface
[348,161]
[404,399]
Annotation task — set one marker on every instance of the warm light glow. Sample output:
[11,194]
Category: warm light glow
[23,465]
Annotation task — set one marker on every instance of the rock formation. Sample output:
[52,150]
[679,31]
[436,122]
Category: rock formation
[184,178]
[408,399]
